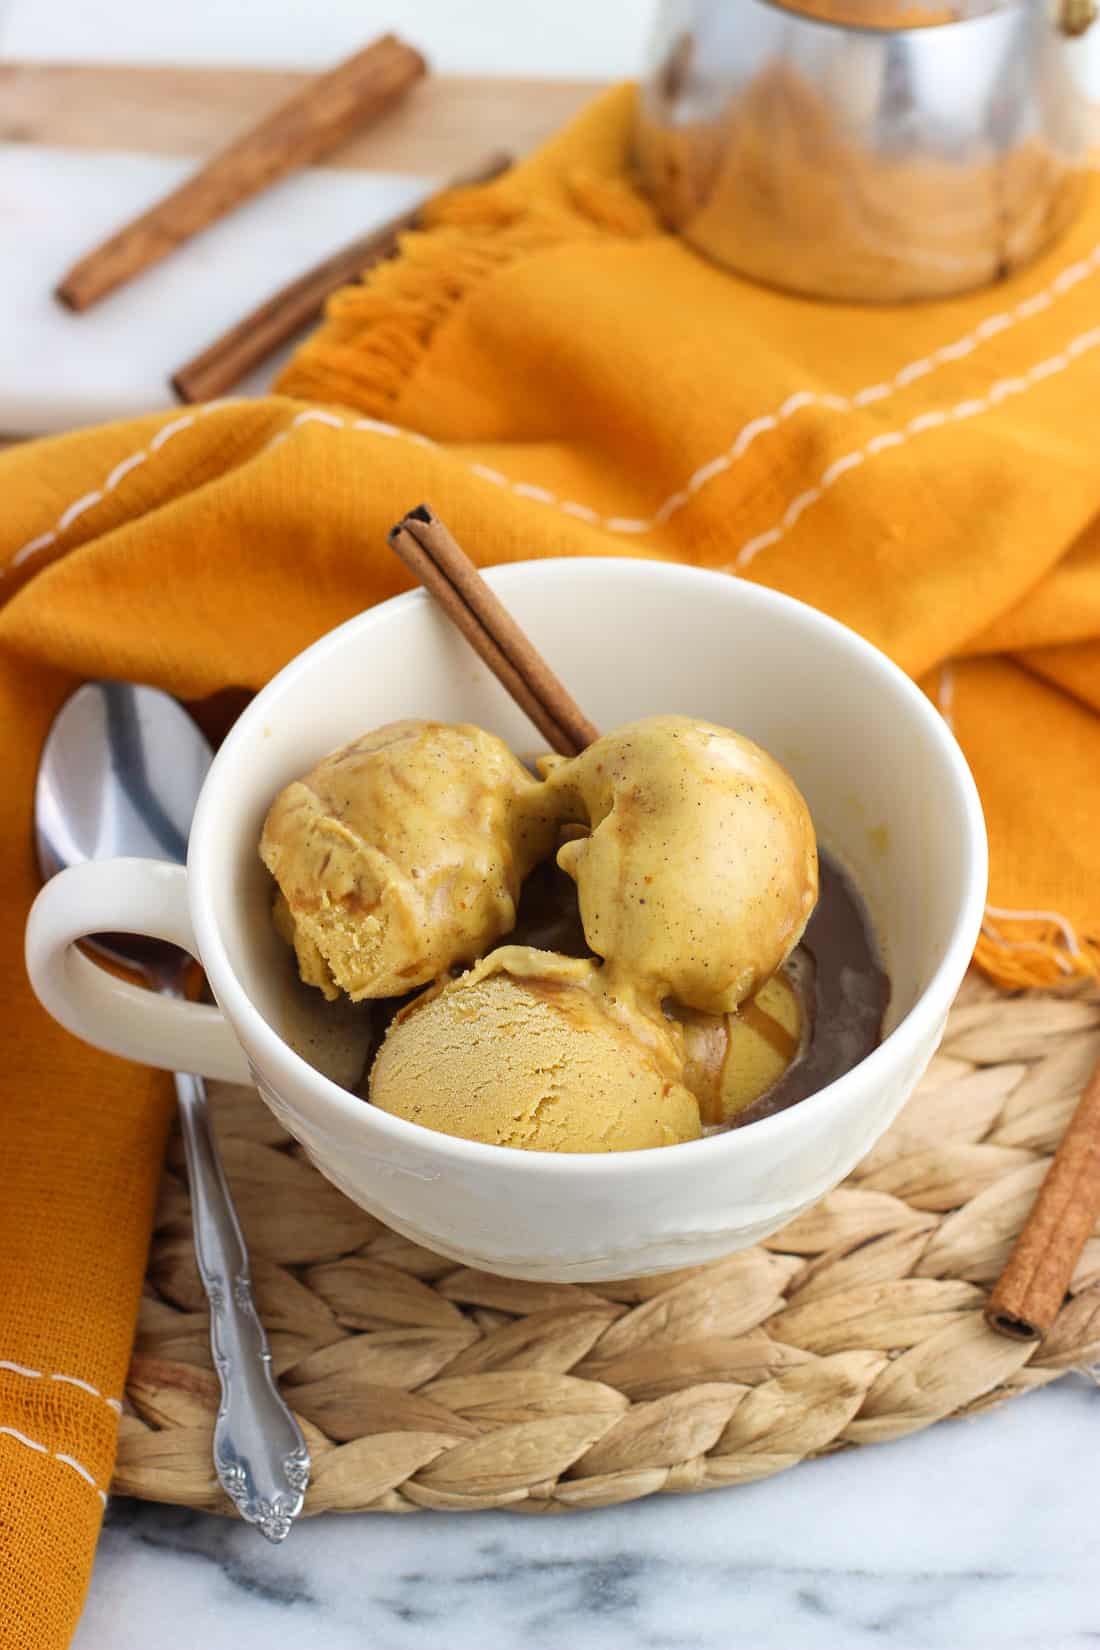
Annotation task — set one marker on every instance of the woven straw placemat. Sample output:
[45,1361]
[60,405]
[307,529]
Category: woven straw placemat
[421,1383]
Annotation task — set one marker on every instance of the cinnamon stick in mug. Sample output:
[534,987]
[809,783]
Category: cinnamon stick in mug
[318,119]
[434,557]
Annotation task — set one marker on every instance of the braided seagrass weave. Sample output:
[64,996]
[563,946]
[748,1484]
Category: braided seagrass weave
[421,1383]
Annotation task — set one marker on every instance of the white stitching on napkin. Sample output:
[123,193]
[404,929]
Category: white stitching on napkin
[1068,932]
[40,1449]
[997,393]
[69,1380]
[991,933]
[86,1386]
[18,1369]
[991,327]
[77,509]
[945,692]
[315,415]
[81,505]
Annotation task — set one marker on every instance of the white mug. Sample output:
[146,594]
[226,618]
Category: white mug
[890,794]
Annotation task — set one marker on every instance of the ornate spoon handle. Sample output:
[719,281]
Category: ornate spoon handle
[260,1455]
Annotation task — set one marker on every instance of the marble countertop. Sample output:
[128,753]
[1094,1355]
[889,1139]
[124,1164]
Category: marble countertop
[970,1535]
[973,1534]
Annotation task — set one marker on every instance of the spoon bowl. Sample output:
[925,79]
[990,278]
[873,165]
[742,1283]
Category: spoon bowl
[120,773]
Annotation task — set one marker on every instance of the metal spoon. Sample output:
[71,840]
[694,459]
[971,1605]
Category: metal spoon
[120,773]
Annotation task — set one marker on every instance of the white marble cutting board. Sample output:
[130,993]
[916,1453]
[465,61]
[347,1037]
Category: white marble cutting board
[59,370]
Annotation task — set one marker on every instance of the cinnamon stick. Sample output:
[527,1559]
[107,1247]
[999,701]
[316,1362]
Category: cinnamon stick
[443,567]
[234,354]
[1032,1287]
[309,125]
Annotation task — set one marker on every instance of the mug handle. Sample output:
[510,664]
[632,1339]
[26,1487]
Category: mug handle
[134,896]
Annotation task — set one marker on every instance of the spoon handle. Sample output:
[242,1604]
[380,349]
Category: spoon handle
[260,1455]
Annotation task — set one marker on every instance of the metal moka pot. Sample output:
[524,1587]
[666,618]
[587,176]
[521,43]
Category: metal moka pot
[874,150]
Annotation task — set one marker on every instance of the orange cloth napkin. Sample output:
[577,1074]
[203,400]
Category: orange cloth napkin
[558,377]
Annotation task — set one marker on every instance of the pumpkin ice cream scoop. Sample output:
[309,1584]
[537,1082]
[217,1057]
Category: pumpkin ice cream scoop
[402,854]
[698,872]
[730,1060]
[528,1049]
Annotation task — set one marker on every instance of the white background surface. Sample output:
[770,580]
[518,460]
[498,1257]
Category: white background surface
[968,1536]
[119,356]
